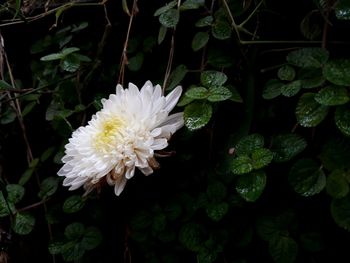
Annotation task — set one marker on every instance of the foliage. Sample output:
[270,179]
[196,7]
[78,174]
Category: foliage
[260,171]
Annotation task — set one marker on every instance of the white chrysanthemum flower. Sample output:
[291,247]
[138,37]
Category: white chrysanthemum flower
[123,135]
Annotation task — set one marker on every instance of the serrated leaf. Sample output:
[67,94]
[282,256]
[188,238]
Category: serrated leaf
[165,8]
[286,72]
[219,94]
[250,143]
[308,57]
[311,77]
[337,184]
[221,30]
[205,21]
[176,76]
[342,119]
[197,115]
[340,210]
[261,158]
[241,165]
[250,186]
[283,249]
[200,40]
[338,71]
[217,211]
[286,146]
[48,187]
[73,204]
[342,9]
[15,193]
[306,177]
[74,231]
[92,238]
[170,18]
[291,88]
[191,236]
[309,112]
[332,96]
[197,93]
[212,78]
[23,223]
[272,89]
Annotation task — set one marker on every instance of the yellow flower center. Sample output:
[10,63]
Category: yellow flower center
[106,138]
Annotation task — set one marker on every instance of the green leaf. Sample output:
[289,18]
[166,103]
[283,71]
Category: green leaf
[91,239]
[338,71]
[308,57]
[172,211]
[205,21]
[165,8]
[135,62]
[217,211]
[73,204]
[310,113]
[283,249]
[311,77]
[74,231]
[337,184]
[28,108]
[199,41]
[291,89]
[70,63]
[170,18]
[306,177]
[6,208]
[236,97]
[192,4]
[69,50]
[286,146]
[55,247]
[309,26]
[219,94]
[212,78]
[177,76]
[15,193]
[340,210]
[286,72]
[332,96]
[261,157]
[184,101]
[241,165]
[23,223]
[48,187]
[142,220]
[197,115]
[250,143]
[159,223]
[342,9]
[54,56]
[8,116]
[191,236]
[72,251]
[5,85]
[221,29]
[342,119]
[197,93]
[161,34]
[272,89]
[250,186]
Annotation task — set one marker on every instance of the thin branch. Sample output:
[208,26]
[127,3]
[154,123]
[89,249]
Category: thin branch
[124,56]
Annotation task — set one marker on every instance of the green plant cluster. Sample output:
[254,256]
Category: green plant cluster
[260,171]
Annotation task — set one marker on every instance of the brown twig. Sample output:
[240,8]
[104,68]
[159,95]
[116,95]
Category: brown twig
[124,56]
